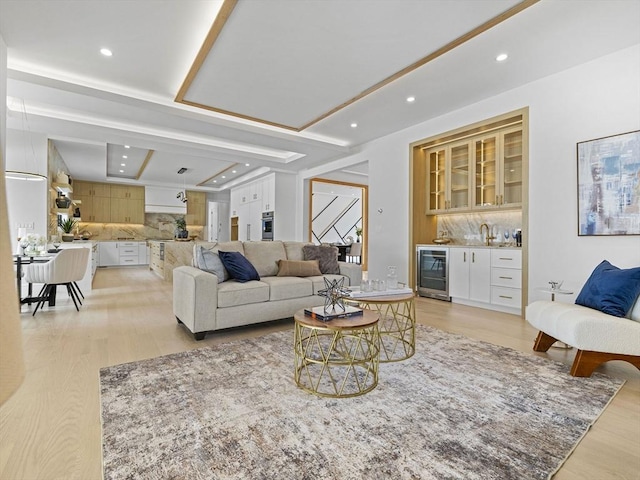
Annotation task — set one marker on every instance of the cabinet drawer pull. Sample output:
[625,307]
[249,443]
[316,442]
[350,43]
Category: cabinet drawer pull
[506,278]
[506,258]
[506,296]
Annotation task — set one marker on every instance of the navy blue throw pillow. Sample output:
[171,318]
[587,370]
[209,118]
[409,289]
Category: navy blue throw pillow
[610,289]
[238,266]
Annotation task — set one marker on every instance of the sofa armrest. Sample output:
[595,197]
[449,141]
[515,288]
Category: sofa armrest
[195,298]
[353,271]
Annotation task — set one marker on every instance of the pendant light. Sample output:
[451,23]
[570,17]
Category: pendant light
[183,194]
[31,176]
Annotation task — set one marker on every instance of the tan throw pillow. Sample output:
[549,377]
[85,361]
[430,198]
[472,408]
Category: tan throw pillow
[298,268]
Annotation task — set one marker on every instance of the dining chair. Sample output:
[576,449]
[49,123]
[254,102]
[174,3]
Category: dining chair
[66,268]
[354,253]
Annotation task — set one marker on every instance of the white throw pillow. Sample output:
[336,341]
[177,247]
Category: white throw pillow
[210,262]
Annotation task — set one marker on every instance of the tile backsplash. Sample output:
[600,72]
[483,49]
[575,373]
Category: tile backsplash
[156,226]
[465,228]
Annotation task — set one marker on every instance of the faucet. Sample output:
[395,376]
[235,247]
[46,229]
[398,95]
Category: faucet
[489,236]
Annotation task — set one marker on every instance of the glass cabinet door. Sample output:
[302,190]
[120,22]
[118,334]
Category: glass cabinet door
[459,197]
[437,179]
[511,168]
[485,156]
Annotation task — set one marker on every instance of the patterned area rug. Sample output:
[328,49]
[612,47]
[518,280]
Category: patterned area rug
[458,409]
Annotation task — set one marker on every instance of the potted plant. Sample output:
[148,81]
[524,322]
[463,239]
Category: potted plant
[67,227]
[358,233]
[181,228]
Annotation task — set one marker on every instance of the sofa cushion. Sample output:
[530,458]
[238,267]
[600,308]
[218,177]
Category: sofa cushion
[238,266]
[610,289]
[298,268]
[264,256]
[585,328]
[233,293]
[285,288]
[209,261]
[327,256]
[318,282]
[294,250]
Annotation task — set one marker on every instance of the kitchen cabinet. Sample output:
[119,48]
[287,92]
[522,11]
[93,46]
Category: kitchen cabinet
[128,253]
[510,178]
[127,191]
[94,209]
[106,203]
[95,201]
[470,274]
[269,193]
[91,189]
[113,254]
[143,253]
[479,173]
[196,208]
[156,260]
[127,210]
[108,253]
[449,181]
[498,170]
[506,278]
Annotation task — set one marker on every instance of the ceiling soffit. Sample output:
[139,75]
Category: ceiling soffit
[382,43]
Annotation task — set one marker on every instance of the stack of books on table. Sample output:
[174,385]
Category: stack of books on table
[357,293]
[319,314]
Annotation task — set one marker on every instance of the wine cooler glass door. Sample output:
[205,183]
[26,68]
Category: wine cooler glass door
[433,272]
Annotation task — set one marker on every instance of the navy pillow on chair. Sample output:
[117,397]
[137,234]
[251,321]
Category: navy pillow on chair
[238,266]
[610,289]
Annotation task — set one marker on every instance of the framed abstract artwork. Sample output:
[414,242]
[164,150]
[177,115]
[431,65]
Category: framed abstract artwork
[609,185]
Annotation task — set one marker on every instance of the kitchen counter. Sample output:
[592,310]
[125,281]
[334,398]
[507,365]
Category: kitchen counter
[466,245]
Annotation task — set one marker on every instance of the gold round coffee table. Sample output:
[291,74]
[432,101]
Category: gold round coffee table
[397,323]
[336,358]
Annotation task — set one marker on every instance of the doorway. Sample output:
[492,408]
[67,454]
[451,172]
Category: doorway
[338,213]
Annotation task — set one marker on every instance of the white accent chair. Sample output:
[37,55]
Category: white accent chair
[597,336]
[66,268]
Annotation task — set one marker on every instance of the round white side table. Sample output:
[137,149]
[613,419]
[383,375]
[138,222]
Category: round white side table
[554,292]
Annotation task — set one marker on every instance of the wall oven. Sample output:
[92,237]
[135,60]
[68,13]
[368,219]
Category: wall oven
[267,226]
[432,268]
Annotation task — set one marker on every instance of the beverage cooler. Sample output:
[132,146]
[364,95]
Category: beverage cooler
[432,270]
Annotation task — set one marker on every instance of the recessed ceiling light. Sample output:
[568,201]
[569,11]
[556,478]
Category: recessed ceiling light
[121,171]
[233,171]
[354,125]
[106,52]
[247,164]
[223,176]
[215,181]
[127,146]
[124,156]
[411,99]
[502,57]
[122,165]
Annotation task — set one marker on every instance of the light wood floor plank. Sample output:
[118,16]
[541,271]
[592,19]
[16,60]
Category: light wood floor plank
[50,429]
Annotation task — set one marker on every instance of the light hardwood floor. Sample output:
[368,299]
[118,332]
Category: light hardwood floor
[50,428]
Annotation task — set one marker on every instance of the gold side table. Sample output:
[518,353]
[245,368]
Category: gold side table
[397,324]
[338,358]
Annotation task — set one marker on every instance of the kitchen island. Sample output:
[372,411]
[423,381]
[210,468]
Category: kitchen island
[169,254]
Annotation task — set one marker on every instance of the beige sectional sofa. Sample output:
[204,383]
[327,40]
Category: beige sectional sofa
[203,304]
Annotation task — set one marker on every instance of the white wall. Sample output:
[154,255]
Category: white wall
[26,200]
[596,99]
